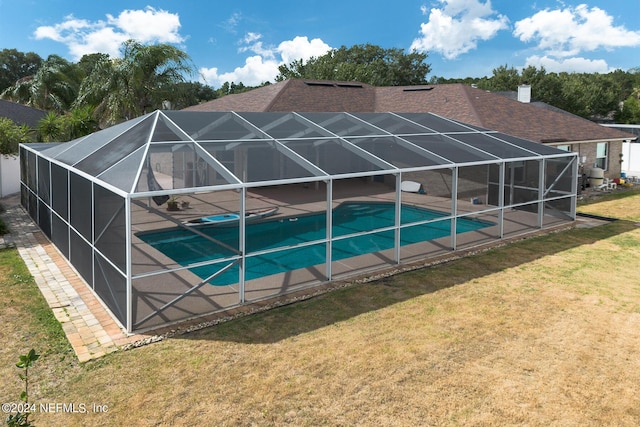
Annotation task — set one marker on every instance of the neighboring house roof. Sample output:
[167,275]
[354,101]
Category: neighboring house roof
[455,101]
[632,129]
[21,114]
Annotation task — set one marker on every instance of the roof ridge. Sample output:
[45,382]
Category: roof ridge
[466,90]
[275,98]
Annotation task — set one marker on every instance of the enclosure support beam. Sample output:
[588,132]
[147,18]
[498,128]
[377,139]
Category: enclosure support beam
[93,237]
[398,217]
[187,293]
[242,244]
[542,163]
[568,167]
[454,207]
[329,235]
[128,243]
[512,180]
[501,176]
[574,188]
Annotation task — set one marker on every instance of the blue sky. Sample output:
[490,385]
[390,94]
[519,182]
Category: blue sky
[246,40]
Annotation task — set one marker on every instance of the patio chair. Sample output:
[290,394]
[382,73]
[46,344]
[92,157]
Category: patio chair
[610,184]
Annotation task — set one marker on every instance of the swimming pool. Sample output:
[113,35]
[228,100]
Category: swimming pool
[187,248]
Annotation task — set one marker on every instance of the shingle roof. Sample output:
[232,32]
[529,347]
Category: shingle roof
[21,114]
[534,123]
[455,101]
[297,95]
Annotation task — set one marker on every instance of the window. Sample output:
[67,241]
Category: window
[563,147]
[601,155]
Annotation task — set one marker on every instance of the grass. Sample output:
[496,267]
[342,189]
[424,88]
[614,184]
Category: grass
[542,332]
[616,205]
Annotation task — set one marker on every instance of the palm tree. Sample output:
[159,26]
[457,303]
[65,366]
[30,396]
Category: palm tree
[74,124]
[135,84]
[50,128]
[52,88]
[80,122]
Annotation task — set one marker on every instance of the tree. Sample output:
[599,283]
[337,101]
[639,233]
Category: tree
[53,87]
[50,128]
[12,135]
[60,128]
[234,88]
[187,94]
[630,111]
[88,62]
[364,63]
[133,85]
[15,65]
[79,122]
[504,79]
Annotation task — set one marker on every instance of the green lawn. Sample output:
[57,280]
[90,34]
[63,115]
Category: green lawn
[545,331]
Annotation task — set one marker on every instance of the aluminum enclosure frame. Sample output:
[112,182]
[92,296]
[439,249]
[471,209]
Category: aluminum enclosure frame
[87,195]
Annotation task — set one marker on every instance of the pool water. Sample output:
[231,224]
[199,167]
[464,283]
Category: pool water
[186,247]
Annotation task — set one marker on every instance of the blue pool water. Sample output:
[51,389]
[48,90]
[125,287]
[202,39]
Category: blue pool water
[186,247]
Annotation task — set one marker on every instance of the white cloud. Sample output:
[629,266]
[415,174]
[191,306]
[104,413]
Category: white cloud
[149,25]
[301,48]
[569,65]
[106,36]
[253,44]
[251,37]
[457,27]
[567,32]
[255,71]
[264,65]
[232,23]
[561,35]
[99,40]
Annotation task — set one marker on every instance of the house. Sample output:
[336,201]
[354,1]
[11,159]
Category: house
[597,146]
[21,114]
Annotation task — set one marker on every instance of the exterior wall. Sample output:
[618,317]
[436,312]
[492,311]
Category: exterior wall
[587,156]
[9,175]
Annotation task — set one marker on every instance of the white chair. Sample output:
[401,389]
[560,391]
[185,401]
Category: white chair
[610,184]
[600,187]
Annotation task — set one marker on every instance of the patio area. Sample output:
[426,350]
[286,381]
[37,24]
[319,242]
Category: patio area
[164,289]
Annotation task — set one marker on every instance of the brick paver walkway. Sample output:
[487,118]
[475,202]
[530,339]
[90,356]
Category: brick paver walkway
[89,326]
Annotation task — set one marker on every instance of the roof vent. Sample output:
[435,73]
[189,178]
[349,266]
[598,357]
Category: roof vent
[417,88]
[319,84]
[332,84]
[524,93]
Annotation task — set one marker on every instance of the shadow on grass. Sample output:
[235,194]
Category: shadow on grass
[343,304]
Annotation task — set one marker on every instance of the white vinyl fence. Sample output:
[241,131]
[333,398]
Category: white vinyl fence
[9,174]
[631,158]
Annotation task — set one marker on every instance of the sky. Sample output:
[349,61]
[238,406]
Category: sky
[246,40]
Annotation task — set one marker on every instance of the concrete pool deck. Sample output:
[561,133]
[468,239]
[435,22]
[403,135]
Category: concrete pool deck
[91,328]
